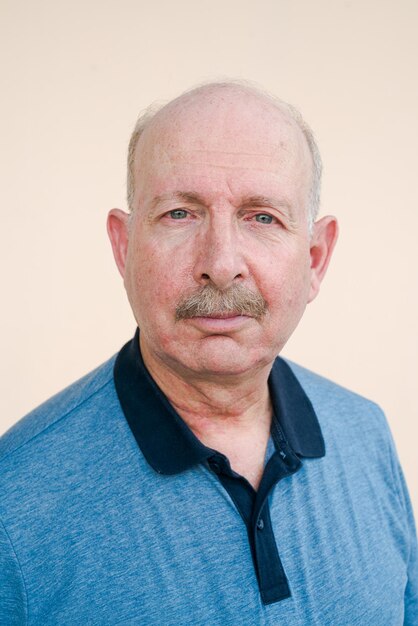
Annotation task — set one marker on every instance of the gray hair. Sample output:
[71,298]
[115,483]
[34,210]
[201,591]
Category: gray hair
[148,115]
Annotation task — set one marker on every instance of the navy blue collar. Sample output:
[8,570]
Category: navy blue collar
[167,442]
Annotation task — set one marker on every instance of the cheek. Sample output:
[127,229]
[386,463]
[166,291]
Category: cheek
[154,284]
[287,282]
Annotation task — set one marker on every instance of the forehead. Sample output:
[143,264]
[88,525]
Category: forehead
[215,138]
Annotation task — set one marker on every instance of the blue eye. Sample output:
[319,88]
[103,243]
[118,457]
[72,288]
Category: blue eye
[263,218]
[178,214]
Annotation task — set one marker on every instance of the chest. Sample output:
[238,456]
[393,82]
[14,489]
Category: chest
[178,552]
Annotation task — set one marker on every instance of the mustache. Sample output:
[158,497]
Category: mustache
[210,301]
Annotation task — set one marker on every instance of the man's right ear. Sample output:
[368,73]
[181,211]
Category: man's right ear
[117,229]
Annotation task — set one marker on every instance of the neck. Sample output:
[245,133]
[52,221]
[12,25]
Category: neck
[232,416]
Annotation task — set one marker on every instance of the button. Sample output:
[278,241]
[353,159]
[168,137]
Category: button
[260,524]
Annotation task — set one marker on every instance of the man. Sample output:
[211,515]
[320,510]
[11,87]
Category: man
[196,478]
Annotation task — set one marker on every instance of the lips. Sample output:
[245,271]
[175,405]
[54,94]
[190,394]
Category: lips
[222,324]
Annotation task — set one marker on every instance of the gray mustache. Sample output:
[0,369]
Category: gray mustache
[210,301]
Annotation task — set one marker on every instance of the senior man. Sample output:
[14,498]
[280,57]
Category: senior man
[196,478]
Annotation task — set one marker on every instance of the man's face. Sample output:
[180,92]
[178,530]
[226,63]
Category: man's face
[221,194]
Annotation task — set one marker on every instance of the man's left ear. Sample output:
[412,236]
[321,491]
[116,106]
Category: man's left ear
[324,238]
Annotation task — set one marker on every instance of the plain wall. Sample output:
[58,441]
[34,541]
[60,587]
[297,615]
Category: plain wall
[75,76]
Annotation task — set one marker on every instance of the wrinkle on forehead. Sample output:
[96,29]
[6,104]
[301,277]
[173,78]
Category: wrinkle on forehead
[222,149]
[234,153]
[245,165]
[276,159]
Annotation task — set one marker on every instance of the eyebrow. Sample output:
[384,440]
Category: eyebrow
[177,196]
[274,203]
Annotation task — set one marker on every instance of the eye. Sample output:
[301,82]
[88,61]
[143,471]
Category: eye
[178,214]
[264,218]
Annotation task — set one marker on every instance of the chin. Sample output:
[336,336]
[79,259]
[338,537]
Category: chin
[221,357]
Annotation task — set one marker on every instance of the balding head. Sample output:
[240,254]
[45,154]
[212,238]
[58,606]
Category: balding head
[217,255]
[228,108]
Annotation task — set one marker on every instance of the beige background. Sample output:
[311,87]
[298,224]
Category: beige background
[75,75]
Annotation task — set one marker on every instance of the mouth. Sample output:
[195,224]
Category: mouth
[222,315]
[220,323]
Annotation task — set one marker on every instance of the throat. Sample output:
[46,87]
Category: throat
[246,451]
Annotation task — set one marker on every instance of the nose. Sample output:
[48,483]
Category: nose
[219,257]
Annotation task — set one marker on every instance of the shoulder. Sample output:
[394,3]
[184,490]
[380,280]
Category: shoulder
[342,410]
[55,413]
[322,390]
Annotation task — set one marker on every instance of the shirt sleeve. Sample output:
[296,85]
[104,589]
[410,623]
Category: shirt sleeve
[411,591]
[13,605]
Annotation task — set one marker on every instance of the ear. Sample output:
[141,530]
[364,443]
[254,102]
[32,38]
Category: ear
[324,238]
[117,229]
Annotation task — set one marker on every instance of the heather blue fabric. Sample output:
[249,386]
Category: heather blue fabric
[91,534]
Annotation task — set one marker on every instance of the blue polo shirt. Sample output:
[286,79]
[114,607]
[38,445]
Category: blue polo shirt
[112,512]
